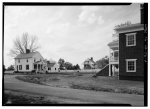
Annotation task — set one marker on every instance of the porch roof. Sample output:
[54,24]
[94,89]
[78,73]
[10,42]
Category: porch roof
[114,43]
[49,65]
[39,62]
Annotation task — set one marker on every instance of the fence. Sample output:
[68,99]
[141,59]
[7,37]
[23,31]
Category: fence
[9,72]
[68,71]
[81,71]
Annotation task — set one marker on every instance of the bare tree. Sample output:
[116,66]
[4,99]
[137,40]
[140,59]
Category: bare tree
[24,43]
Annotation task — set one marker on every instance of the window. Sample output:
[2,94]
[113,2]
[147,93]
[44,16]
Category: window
[55,68]
[116,56]
[131,65]
[131,39]
[18,60]
[49,68]
[27,67]
[20,67]
[27,60]
[35,66]
[38,66]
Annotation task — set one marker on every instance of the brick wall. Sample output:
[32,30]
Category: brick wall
[132,52]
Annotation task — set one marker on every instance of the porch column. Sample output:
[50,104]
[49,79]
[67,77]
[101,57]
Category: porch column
[113,70]
[37,67]
[109,62]
[41,67]
[109,69]
[113,55]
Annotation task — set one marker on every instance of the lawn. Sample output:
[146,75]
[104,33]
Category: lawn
[86,82]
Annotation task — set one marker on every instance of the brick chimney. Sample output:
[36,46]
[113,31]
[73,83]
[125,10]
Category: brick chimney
[142,13]
[27,51]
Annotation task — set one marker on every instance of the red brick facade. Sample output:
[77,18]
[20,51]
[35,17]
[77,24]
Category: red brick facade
[131,52]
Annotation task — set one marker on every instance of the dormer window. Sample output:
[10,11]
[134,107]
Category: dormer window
[27,60]
[131,39]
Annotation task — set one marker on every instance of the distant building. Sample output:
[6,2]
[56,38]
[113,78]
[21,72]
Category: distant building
[26,62]
[89,63]
[52,67]
[127,53]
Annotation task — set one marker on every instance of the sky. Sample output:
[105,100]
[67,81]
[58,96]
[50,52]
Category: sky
[73,33]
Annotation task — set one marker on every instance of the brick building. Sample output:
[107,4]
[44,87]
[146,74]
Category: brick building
[130,48]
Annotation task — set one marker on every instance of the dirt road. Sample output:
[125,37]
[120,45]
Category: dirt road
[10,83]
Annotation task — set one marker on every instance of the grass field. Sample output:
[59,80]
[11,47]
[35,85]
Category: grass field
[86,82]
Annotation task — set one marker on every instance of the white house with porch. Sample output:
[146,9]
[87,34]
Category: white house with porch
[114,56]
[26,62]
[89,64]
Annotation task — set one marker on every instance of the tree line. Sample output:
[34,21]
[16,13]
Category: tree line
[67,65]
[102,62]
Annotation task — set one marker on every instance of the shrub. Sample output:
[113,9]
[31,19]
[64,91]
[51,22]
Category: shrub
[26,99]
[33,71]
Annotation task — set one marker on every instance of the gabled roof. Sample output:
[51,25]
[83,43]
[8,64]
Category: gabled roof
[114,43]
[87,60]
[49,65]
[25,55]
[130,28]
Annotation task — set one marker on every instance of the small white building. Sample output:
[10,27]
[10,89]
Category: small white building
[26,62]
[52,67]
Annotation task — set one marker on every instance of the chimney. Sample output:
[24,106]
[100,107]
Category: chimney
[92,58]
[142,13]
[27,51]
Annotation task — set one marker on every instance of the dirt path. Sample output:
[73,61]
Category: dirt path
[11,83]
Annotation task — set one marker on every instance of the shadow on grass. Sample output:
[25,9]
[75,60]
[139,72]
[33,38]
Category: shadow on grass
[10,99]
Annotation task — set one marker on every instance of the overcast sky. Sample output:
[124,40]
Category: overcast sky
[73,33]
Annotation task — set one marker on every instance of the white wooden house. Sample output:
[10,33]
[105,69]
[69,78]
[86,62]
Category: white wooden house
[89,64]
[114,56]
[52,67]
[27,62]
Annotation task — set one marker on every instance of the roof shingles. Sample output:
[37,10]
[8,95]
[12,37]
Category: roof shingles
[25,55]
